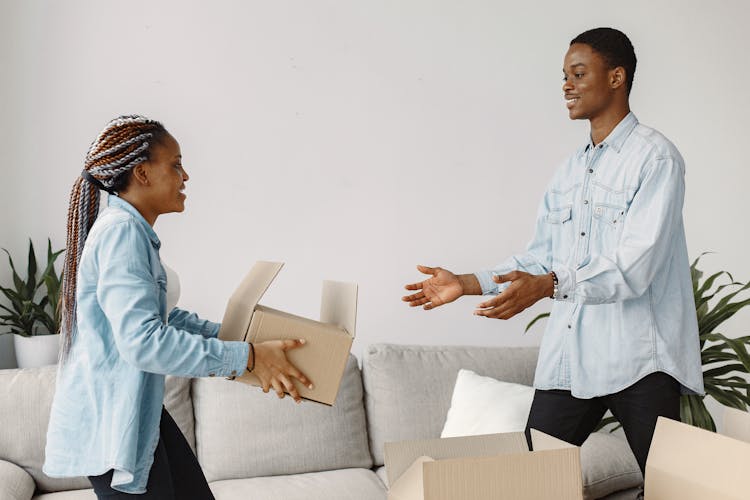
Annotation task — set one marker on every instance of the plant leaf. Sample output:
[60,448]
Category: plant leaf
[531,323]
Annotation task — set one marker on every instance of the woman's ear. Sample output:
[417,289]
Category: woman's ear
[140,174]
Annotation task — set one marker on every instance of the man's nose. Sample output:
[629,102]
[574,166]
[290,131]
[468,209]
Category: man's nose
[567,86]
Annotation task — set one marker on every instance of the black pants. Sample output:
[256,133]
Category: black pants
[175,474]
[637,407]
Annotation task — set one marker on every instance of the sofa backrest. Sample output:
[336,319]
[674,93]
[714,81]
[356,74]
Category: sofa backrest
[25,403]
[242,432]
[408,389]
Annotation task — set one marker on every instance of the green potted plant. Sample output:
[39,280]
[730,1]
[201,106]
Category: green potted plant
[726,362]
[32,313]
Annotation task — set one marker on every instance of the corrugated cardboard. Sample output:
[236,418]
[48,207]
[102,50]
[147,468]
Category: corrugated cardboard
[688,463]
[329,341]
[493,466]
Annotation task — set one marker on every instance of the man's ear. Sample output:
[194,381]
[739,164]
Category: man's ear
[140,174]
[617,77]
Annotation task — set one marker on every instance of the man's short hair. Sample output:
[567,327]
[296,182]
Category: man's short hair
[614,46]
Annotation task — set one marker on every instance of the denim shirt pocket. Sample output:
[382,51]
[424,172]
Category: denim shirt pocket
[612,215]
[559,215]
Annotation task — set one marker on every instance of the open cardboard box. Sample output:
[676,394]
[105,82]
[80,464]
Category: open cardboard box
[329,341]
[688,463]
[488,467]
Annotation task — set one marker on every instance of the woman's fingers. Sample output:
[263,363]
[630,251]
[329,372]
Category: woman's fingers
[278,387]
[292,344]
[292,371]
[289,386]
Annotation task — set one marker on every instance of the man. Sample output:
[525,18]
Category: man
[609,248]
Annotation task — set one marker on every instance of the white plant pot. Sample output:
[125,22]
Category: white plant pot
[37,350]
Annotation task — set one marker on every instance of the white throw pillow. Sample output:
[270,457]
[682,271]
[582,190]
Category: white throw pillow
[483,405]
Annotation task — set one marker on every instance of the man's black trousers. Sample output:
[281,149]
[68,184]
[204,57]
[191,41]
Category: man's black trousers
[559,414]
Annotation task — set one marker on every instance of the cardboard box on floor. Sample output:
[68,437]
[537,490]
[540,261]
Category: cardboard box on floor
[689,463]
[487,467]
[329,341]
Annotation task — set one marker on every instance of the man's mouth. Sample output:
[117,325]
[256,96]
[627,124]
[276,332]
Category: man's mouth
[571,100]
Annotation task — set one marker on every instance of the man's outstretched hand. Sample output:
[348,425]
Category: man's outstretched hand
[443,287]
[524,291]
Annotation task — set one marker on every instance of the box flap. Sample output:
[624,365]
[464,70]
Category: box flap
[541,441]
[689,463]
[410,486]
[338,305]
[400,455]
[242,303]
[521,476]
[737,424]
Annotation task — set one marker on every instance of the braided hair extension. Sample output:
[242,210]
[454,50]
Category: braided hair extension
[124,143]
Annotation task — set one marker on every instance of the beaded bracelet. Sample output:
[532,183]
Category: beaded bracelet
[252,349]
[554,284]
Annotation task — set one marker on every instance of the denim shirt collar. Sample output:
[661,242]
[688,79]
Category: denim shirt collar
[618,136]
[117,202]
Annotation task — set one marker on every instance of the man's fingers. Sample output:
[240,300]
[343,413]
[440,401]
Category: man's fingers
[414,286]
[427,270]
[419,302]
[412,297]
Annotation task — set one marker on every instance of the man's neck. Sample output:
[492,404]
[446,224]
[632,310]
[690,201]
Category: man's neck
[603,124]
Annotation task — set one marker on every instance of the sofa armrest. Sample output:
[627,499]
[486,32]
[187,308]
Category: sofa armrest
[15,483]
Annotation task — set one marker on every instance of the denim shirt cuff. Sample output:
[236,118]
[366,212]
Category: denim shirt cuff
[210,329]
[489,287]
[566,283]
[235,358]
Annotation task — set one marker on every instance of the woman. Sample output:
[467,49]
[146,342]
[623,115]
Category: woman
[119,341]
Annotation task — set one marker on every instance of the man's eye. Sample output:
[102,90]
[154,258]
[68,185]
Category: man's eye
[579,75]
[565,78]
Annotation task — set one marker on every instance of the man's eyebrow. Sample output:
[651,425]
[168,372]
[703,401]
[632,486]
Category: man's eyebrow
[575,66]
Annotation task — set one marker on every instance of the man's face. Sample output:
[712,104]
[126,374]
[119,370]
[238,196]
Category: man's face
[587,82]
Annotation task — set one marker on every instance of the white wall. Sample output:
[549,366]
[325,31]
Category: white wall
[353,140]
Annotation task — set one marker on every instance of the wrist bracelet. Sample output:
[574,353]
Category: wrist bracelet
[554,284]
[252,350]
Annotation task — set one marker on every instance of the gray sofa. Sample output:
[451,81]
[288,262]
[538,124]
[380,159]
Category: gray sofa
[253,446]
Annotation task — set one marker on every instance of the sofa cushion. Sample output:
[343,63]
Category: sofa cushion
[483,405]
[343,484]
[68,495]
[607,463]
[408,388]
[25,402]
[15,483]
[242,432]
[608,466]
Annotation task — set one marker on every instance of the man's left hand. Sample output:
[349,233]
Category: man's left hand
[524,291]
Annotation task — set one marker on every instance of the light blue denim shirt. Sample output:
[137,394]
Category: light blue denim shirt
[610,226]
[109,394]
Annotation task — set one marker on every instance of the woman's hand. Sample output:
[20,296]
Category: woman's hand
[273,369]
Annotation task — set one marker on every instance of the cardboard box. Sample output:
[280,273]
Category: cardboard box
[329,341]
[488,467]
[688,463]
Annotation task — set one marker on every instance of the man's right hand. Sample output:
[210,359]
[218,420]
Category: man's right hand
[443,287]
[273,369]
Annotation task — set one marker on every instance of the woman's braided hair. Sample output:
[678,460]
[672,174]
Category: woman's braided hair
[124,143]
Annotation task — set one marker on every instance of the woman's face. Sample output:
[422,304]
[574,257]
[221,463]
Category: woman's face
[166,178]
